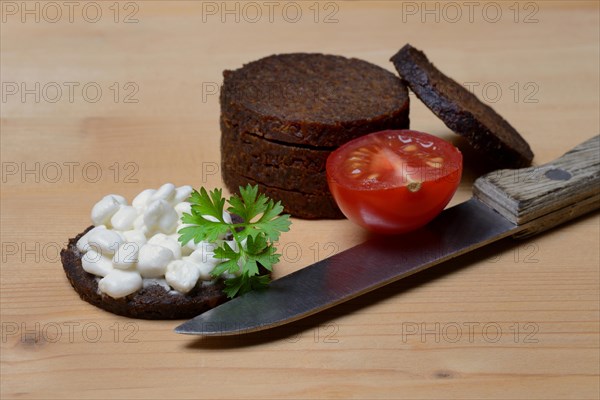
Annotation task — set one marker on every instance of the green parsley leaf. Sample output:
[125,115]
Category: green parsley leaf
[206,218]
[230,259]
[254,237]
[242,284]
[251,205]
[211,204]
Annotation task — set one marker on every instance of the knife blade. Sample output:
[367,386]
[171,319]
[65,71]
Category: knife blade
[516,203]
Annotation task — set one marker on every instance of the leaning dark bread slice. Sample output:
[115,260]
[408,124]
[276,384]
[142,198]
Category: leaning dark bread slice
[462,111]
[153,302]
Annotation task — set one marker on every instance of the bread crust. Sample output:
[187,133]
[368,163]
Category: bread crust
[153,302]
[294,167]
[462,111]
[298,204]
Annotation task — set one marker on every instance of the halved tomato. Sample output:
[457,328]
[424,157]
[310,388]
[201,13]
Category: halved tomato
[394,181]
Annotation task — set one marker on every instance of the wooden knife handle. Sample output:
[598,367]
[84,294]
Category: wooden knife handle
[539,198]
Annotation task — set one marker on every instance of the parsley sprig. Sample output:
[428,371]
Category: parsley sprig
[254,237]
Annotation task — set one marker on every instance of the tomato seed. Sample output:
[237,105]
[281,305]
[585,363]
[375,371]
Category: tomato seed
[413,186]
[434,164]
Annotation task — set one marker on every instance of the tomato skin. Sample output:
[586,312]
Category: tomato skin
[393,206]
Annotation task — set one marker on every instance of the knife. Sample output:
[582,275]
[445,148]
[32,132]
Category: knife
[517,203]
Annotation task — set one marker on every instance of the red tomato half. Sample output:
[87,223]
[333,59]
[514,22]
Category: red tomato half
[394,181]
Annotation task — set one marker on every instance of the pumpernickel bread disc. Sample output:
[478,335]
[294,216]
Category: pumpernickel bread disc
[299,168]
[152,302]
[313,99]
[462,111]
[298,204]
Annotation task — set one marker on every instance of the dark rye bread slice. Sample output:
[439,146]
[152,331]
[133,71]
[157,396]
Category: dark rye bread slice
[313,99]
[298,204]
[256,149]
[153,302]
[297,168]
[462,111]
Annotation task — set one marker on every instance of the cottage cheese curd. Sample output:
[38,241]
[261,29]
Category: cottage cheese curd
[136,245]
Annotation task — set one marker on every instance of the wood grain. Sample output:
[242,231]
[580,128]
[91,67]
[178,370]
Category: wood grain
[539,198]
[515,320]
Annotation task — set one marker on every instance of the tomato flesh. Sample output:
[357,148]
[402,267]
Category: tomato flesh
[394,181]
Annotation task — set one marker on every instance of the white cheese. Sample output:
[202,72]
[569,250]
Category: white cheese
[204,257]
[135,236]
[153,260]
[168,242]
[205,253]
[183,207]
[95,263]
[141,200]
[205,269]
[105,241]
[120,199]
[160,216]
[120,283]
[134,246]
[165,192]
[82,243]
[182,275]
[126,256]
[123,219]
[105,209]
[182,193]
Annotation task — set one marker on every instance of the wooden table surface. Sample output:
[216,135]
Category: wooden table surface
[107,97]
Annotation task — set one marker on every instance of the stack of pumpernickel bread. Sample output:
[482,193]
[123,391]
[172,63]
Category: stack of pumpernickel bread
[282,115]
